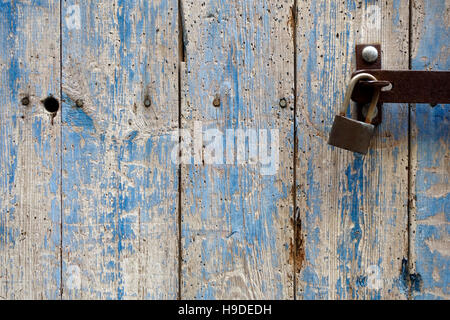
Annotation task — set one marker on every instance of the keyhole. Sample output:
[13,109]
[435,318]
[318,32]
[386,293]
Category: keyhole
[51,104]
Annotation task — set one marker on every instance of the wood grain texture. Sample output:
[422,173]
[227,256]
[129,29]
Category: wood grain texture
[353,209]
[119,184]
[236,226]
[30,207]
[430,159]
[89,195]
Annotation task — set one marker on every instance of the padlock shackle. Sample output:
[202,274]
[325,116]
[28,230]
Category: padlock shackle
[348,95]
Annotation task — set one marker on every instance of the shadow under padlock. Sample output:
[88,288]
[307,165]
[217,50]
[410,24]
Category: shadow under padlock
[350,134]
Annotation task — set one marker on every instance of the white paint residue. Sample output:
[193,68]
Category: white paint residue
[373,280]
[371,21]
[74,277]
[73,17]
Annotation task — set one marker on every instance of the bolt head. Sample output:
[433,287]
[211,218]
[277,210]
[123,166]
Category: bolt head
[370,54]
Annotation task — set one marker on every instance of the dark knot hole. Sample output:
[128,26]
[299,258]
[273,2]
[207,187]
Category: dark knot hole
[51,104]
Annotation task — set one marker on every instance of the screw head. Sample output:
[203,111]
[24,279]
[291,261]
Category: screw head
[147,103]
[370,54]
[25,101]
[283,103]
[216,102]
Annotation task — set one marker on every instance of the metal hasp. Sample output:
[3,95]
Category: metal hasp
[408,86]
[362,63]
[396,86]
[372,84]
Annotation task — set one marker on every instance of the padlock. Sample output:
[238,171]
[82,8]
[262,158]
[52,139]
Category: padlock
[350,134]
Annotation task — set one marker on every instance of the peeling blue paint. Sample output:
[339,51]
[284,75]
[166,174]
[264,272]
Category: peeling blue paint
[19,124]
[119,172]
[432,279]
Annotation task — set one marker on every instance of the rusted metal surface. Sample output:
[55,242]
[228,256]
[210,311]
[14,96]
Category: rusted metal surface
[375,83]
[362,64]
[407,87]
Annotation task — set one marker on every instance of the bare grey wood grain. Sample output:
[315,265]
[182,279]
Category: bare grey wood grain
[430,153]
[30,206]
[120,185]
[236,220]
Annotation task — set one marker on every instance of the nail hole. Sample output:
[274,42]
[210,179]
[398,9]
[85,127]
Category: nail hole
[147,102]
[51,104]
[25,101]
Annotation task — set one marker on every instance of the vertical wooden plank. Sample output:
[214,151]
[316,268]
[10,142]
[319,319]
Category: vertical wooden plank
[353,209]
[236,227]
[29,151]
[430,153]
[119,183]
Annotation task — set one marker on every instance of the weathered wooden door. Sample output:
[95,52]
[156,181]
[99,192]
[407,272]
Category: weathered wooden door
[98,200]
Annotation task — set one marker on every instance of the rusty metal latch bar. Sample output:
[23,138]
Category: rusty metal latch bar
[395,86]
[408,86]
